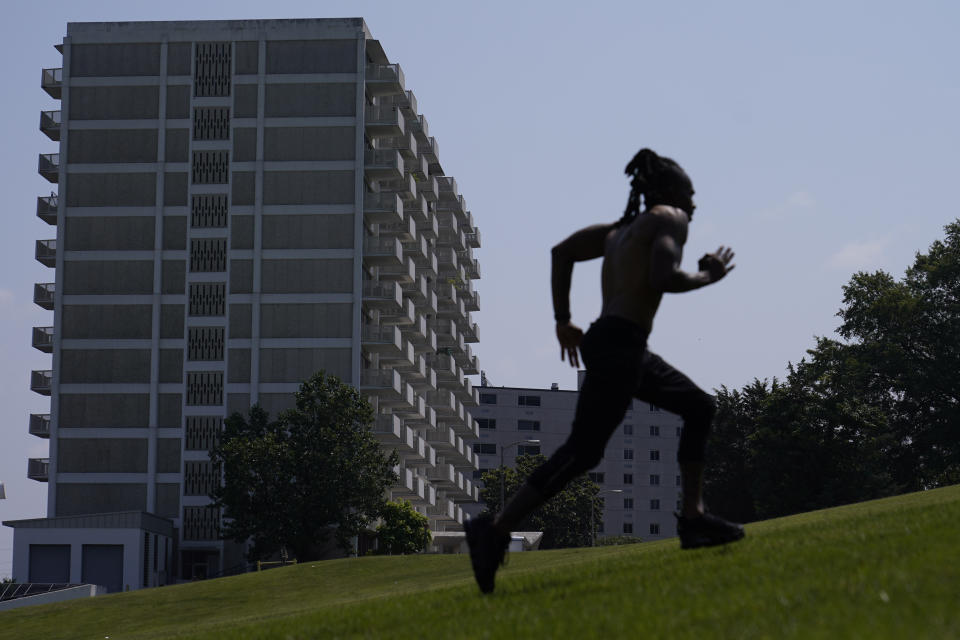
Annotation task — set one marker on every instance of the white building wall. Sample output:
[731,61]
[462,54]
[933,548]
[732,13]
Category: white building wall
[645,433]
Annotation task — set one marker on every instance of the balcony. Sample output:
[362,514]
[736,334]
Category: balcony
[419,168]
[443,402]
[444,510]
[471,265]
[405,231]
[418,250]
[405,314]
[41,381]
[43,295]
[405,273]
[443,438]
[43,339]
[445,329]
[382,340]
[47,208]
[49,166]
[406,188]
[400,358]
[383,121]
[382,208]
[473,238]
[406,487]
[472,368]
[378,250]
[384,79]
[447,260]
[50,124]
[430,228]
[406,144]
[429,189]
[431,151]
[383,164]
[40,425]
[471,302]
[471,332]
[38,469]
[418,208]
[52,82]
[46,252]
[384,295]
[388,429]
[380,381]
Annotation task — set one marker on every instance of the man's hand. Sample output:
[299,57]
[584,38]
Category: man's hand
[569,336]
[717,264]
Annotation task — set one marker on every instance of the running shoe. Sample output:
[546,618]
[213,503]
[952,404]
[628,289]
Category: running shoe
[488,548]
[707,530]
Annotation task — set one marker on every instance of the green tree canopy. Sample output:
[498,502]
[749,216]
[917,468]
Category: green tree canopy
[564,519]
[315,470]
[873,414]
[403,530]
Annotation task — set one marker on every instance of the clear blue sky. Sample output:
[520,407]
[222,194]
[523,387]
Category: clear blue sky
[822,139]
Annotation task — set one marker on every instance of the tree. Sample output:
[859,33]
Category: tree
[404,530]
[316,469]
[564,519]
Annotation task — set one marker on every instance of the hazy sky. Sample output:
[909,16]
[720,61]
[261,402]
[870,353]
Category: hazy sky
[821,137]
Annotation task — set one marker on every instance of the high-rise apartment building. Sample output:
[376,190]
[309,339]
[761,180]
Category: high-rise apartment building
[238,204]
[639,476]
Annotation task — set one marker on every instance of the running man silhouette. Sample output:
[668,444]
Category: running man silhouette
[641,261]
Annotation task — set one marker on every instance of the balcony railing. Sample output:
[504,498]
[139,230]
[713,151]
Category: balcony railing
[383,164]
[472,265]
[43,294]
[429,189]
[43,339]
[46,252]
[52,82]
[47,208]
[382,208]
[388,428]
[473,238]
[432,150]
[384,79]
[404,273]
[383,121]
[41,381]
[49,166]
[38,469]
[40,425]
[382,250]
[405,231]
[50,124]
[382,294]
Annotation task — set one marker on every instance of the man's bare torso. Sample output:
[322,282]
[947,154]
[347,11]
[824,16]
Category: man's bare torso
[626,279]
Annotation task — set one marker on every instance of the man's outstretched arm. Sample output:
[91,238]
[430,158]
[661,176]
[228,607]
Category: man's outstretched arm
[667,252]
[586,244]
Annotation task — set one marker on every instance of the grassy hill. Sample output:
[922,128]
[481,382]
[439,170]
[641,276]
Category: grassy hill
[883,569]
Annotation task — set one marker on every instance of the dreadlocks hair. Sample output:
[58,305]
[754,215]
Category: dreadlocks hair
[649,172]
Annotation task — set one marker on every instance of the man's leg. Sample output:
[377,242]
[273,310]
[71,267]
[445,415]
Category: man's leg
[663,386]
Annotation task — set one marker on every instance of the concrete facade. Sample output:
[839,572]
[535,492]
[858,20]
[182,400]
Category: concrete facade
[242,203]
[638,476]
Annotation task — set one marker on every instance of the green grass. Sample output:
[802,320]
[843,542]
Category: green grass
[875,570]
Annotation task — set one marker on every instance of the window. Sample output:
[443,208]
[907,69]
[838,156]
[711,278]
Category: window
[628,478]
[654,430]
[628,429]
[628,454]
[597,477]
[628,527]
[485,448]
[528,425]
[488,398]
[528,401]
[487,423]
[477,474]
[628,503]
[654,529]
[654,479]
[654,407]
[655,504]
[678,480]
[528,450]
[600,527]
[654,454]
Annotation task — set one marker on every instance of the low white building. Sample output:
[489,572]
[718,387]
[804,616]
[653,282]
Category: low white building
[639,476]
